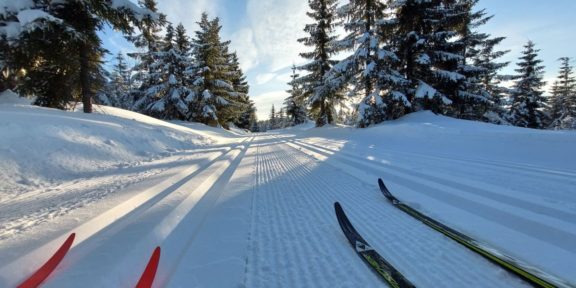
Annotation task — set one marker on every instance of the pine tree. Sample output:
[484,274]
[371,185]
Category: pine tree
[431,53]
[481,92]
[320,93]
[527,99]
[121,84]
[169,97]
[273,121]
[148,43]
[563,101]
[371,68]
[74,23]
[240,113]
[213,91]
[295,105]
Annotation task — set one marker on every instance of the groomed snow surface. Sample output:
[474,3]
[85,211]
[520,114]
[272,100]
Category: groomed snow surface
[231,209]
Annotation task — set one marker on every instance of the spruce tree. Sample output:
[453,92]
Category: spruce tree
[372,67]
[295,103]
[481,92]
[213,91]
[527,99]
[168,99]
[121,84]
[273,121]
[431,52]
[239,113]
[563,101]
[74,23]
[148,42]
[320,93]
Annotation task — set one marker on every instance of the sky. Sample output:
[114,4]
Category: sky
[264,33]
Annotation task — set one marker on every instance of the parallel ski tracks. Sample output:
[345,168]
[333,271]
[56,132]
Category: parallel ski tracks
[358,167]
[561,217]
[98,236]
[512,166]
[303,200]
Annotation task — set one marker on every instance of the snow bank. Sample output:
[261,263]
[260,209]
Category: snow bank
[11,98]
[426,133]
[41,147]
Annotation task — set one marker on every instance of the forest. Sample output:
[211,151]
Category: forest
[368,61]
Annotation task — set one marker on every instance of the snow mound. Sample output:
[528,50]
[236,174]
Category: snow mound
[41,146]
[10,98]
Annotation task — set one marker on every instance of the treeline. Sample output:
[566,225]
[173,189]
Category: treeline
[404,56]
[51,50]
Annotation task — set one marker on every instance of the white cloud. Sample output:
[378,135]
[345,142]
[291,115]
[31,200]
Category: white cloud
[277,24]
[243,43]
[264,78]
[264,102]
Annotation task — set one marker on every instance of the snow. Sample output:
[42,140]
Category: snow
[425,91]
[231,209]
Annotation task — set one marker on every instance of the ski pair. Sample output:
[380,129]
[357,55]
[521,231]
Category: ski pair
[394,278]
[36,279]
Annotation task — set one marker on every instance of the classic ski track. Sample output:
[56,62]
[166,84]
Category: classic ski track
[532,205]
[513,166]
[560,216]
[303,202]
[549,195]
[98,233]
[513,222]
[172,227]
[80,193]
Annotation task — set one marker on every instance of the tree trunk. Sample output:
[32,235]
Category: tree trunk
[85,78]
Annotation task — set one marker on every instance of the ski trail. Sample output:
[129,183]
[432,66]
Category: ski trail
[538,233]
[29,211]
[112,222]
[169,223]
[297,242]
[532,205]
[220,246]
[511,166]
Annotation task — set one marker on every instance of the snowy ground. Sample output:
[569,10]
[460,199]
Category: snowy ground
[235,210]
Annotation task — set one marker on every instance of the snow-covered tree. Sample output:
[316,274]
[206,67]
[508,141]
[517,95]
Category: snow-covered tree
[563,101]
[371,69]
[295,103]
[168,98]
[121,83]
[148,42]
[527,99]
[213,91]
[320,94]
[66,45]
[273,120]
[240,113]
[480,92]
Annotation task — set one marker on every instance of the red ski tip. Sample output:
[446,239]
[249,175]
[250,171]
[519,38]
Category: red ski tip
[147,277]
[41,274]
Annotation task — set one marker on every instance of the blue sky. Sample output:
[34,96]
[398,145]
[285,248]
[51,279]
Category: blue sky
[264,34]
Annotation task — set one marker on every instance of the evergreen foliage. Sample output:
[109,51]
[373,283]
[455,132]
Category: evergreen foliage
[320,94]
[371,69]
[563,102]
[67,64]
[528,102]
[213,91]
[295,103]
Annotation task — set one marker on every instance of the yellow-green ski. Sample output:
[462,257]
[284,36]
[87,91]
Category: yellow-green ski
[532,275]
[382,267]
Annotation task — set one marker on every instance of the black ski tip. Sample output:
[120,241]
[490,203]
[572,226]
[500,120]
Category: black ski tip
[385,190]
[337,206]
